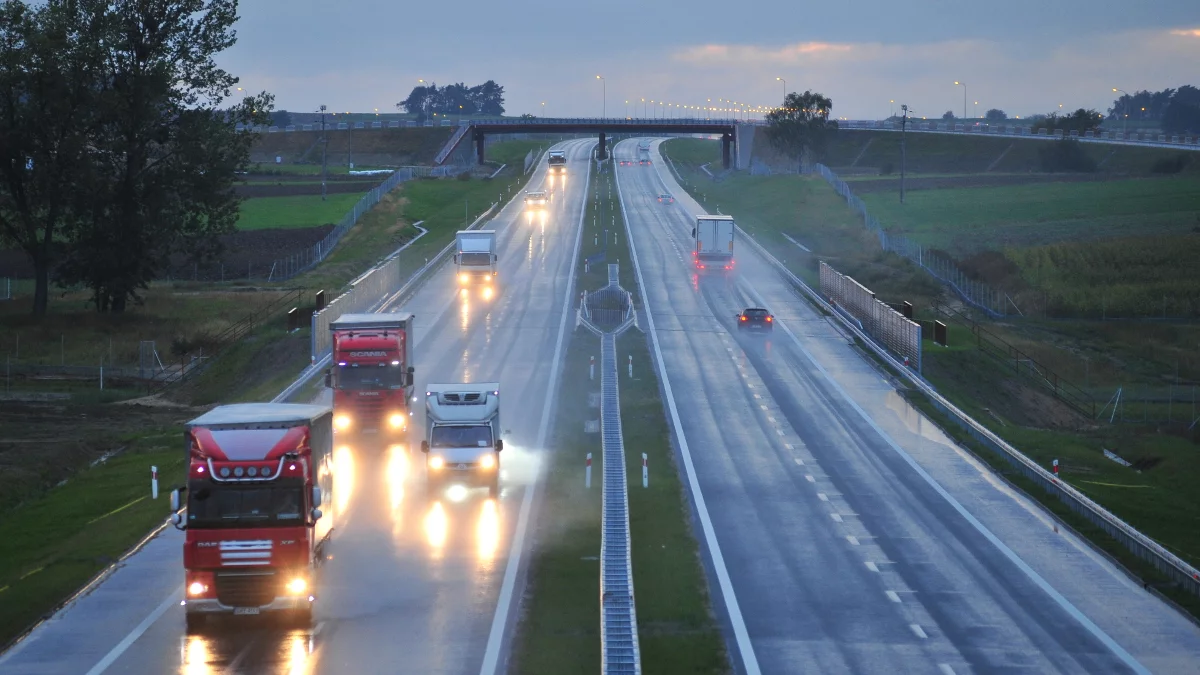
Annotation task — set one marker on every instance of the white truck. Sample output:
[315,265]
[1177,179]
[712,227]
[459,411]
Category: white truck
[556,163]
[462,436]
[714,243]
[476,256]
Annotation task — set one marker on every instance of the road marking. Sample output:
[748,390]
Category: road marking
[758,396]
[853,541]
[872,566]
[809,477]
[740,634]
[1007,552]
[789,447]
[800,461]
[893,596]
[769,418]
[918,631]
[491,655]
[237,660]
[822,496]
[946,669]
[836,518]
[781,432]
[764,408]
[116,652]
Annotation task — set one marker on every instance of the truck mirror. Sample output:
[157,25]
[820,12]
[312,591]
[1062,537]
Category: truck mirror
[316,496]
[499,445]
[328,378]
[424,446]
[409,380]
[455,258]
[411,370]
[316,514]
[177,519]
[174,500]
[693,233]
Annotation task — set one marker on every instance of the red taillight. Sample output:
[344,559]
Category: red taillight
[743,318]
[769,319]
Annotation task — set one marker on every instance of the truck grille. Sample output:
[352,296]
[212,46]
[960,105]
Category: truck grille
[246,590]
[460,399]
[370,407]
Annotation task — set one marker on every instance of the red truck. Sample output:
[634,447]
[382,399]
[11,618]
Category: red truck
[372,374]
[256,477]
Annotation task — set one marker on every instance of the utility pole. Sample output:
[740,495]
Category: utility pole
[324,153]
[903,154]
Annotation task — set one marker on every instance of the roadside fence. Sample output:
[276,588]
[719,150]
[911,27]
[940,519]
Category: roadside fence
[892,329]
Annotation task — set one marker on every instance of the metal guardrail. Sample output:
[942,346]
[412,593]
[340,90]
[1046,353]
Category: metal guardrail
[373,289]
[451,144]
[620,652]
[1145,548]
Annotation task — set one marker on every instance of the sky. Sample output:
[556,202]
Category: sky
[869,56]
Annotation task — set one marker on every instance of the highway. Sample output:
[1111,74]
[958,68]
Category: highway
[410,584]
[844,532]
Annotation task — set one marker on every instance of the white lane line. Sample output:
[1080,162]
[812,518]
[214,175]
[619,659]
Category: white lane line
[946,669]
[116,652]
[822,496]
[236,663]
[809,477]
[781,432]
[769,418]
[764,408]
[1037,579]
[837,518]
[918,631]
[853,541]
[491,655]
[741,635]
[872,566]
[800,461]
[893,596]
[789,447]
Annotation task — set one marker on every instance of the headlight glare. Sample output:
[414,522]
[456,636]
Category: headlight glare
[436,462]
[297,586]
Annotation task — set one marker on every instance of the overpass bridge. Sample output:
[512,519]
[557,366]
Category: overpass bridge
[478,131]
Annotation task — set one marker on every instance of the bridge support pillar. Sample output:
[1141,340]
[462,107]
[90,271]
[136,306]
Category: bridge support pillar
[602,151]
[479,146]
[726,141]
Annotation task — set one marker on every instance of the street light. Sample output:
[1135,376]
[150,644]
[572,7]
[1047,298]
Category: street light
[903,154]
[893,102]
[324,154]
[975,110]
[626,108]
[1125,123]
[604,95]
[964,86]
[784,87]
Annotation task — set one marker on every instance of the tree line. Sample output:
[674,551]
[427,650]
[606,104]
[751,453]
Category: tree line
[1176,110]
[114,155]
[454,99]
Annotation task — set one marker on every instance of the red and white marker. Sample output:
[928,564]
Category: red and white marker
[154,482]
[587,473]
[1056,468]
[631,366]
[591,367]
[645,471]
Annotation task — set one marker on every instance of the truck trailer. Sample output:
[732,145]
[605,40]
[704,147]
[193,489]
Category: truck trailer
[372,374]
[257,475]
[556,163]
[475,258]
[462,436]
[714,243]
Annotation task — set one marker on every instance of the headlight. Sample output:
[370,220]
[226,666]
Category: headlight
[342,421]
[396,420]
[297,586]
[463,278]
[196,588]
[488,462]
[436,462]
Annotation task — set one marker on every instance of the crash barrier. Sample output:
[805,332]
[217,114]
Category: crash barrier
[374,288]
[895,331]
[1170,565]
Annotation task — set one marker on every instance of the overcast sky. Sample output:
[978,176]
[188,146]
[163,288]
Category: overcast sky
[1023,56]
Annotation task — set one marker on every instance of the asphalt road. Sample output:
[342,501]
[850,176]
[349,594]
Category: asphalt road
[845,533]
[411,584]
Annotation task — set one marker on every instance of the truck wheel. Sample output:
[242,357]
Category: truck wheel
[194,621]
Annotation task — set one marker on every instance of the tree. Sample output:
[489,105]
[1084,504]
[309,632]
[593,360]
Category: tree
[165,156]
[995,115]
[1082,120]
[281,118]
[455,99]
[948,115]
[490,98]
[49,86]
[1182,115]
[801,126]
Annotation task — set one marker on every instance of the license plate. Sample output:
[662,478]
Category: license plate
[245,611]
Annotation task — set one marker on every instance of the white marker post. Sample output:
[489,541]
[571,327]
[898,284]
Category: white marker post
[1056,468]
[645,471]
[154,482]
[631,366]
[591,367]
[587,473]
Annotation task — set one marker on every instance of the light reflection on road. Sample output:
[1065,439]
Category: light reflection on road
[487,533]
[195,655]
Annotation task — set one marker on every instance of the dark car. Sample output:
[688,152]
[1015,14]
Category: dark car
[665,198]
[755,318]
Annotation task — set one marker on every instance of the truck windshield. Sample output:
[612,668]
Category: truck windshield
[475,258]
[213,505]
[461,437]
[370,377]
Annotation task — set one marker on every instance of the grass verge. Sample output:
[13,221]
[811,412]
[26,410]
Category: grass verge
[560,629]
[300,211]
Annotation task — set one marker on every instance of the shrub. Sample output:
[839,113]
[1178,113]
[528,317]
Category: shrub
[887,169]
[1171,165]
[1065,156]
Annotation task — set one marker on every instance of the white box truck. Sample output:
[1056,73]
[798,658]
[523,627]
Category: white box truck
[476,256]
[462,436]
[714,243]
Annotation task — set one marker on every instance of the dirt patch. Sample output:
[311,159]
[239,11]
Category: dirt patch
[250,254]
[976,180]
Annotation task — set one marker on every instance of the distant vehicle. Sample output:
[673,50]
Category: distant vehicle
[256,475]
[666,198]
[755,319]
[536,199]
[643,155]
[714,243]
[556,161]
[372,374]
[626,162]
[476,256]
[462,436]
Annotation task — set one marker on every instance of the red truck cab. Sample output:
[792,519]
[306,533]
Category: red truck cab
[372,374]
[257,475]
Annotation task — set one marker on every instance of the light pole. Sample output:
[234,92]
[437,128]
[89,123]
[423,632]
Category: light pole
[975,111]
[604,97]
[903,154]
[964,86]
[543,109]
[643,108]
[893,113]
[784,87]
[324,149]
[1125,124]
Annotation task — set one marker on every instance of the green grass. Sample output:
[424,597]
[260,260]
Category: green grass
[300,211]
[513,153]
[53,545]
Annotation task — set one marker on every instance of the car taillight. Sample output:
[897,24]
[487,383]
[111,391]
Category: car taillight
[768,319]
[743,318]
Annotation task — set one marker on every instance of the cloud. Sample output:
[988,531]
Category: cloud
[725,54]
[1187,32]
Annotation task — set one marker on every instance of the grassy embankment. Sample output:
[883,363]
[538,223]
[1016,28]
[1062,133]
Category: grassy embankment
[38,573]
[1156,495]
[561,628]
